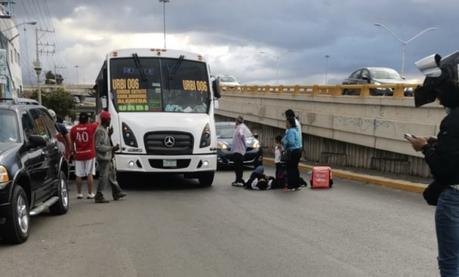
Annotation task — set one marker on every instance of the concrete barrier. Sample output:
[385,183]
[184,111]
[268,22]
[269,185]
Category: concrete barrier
[366,179]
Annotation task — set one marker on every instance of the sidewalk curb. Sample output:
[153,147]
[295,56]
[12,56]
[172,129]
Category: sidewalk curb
[367,179]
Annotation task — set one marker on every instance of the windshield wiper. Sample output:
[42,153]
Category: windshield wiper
[172,71]
[139,67]
[176,67]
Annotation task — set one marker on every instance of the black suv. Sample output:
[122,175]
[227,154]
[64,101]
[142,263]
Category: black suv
[33,173]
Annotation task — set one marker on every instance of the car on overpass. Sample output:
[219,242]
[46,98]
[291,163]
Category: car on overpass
[376,76]
[229,83]
[253,156]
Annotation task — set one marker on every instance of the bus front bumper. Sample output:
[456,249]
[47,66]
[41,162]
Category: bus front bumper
[166,164]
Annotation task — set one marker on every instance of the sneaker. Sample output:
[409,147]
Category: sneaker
[79,195]
[91,196]
[99,198]
[119,195]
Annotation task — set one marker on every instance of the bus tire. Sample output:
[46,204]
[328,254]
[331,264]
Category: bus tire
[206,178]
[123,179]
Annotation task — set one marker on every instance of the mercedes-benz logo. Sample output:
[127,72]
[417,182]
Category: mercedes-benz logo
[169,141]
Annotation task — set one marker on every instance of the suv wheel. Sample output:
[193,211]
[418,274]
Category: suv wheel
[18,218]
[62,205]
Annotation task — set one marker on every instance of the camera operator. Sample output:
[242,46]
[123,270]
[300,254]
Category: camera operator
[442,156]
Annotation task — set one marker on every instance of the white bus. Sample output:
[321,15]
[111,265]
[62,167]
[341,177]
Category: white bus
[162,106]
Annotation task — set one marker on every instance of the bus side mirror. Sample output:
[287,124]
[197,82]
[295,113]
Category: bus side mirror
[216,88]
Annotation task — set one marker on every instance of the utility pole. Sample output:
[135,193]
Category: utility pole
[41,48]
[56,67]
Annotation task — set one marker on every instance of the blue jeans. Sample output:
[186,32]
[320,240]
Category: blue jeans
[447,227]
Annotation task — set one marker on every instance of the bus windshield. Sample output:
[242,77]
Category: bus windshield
[142,84]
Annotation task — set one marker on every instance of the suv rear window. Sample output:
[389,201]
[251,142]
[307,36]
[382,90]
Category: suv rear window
[9,124]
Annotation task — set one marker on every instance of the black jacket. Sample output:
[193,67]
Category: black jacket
[443,156]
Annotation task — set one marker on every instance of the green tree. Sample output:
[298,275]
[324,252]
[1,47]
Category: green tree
[50,78]
[58,100]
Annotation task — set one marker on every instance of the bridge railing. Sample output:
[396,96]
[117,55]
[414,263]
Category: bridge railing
[394,90]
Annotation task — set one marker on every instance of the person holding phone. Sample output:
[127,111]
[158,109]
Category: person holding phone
[442,156]
[104,151]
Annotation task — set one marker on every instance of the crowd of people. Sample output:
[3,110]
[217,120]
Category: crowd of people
[86,143]
[287,154]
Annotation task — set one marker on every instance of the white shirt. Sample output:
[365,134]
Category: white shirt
[277,154]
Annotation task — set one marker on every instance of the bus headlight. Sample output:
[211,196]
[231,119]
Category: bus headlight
[128,136]
[205,137]
[4,177]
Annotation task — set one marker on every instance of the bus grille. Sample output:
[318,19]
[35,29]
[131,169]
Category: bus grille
[168,143]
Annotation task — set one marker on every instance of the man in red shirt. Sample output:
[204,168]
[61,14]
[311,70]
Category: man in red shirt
[82,136]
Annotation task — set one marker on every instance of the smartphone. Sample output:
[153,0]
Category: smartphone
[408,136]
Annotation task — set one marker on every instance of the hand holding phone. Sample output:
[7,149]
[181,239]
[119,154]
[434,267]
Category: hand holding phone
[409,136]
[417,142]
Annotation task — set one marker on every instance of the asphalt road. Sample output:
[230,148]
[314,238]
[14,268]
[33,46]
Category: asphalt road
[172,227]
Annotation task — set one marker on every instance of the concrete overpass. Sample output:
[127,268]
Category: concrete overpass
[82,93]
[358,131]
[79,90]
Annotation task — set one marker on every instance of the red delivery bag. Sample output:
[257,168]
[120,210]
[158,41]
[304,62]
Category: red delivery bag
[321,177]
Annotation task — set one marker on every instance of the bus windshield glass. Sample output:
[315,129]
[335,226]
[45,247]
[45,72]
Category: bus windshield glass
[142,84]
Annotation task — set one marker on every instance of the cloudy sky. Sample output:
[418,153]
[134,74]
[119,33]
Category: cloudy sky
[258,41]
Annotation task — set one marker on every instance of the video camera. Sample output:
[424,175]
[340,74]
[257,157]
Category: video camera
[441,80]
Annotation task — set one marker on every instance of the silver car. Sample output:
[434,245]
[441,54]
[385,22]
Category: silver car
[376,76]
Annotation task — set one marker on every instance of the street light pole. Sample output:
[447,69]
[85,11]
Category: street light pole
[404,43]
[164,18]
[20,24]
[326,68]
[37,66]
[277,68]
[77,76]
